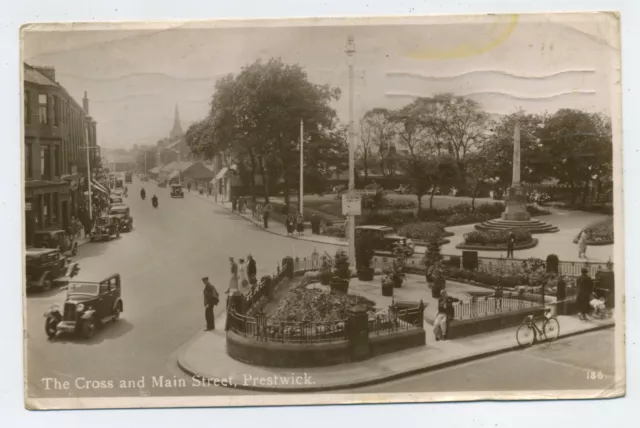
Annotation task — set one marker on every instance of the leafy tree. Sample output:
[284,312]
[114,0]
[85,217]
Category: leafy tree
[381,129]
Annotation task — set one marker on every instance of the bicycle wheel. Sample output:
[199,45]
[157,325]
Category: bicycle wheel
[526,335]
[551,329]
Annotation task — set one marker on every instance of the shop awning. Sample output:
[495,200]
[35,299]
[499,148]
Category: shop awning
[221,173]
[99,187]
[154,170]
[174,174]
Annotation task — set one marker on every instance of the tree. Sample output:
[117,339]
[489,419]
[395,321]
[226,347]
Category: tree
[382,132]
[458,124]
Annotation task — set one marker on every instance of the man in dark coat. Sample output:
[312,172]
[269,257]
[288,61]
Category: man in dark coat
[585,290]
[252,269]
[511,242]
[211,299]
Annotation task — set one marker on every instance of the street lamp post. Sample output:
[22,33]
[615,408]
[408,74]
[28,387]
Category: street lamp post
[350,51]
[88,149]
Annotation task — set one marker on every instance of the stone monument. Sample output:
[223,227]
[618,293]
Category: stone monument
[515,214]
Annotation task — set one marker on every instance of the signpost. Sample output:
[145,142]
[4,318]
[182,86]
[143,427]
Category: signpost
[351,204]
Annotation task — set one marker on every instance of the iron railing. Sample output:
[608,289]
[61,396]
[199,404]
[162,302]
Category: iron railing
[487,306]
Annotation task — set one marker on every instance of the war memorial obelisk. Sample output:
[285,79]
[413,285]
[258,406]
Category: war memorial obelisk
[515,214]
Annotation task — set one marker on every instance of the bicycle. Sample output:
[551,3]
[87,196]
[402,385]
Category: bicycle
[528,331]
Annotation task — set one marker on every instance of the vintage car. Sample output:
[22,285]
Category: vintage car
[87,306]
[46,267]
[128,177]
[162,183]
[58,239]
[176,191]
[384,238]
[115,198]
[106,227]
[124,216]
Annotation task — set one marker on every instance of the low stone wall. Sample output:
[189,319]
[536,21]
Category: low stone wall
[293,355]
[503,248]
[472,326]
[386,343]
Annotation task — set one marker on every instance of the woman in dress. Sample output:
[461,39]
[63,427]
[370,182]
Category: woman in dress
[242,276]
[233,282]
[582,245]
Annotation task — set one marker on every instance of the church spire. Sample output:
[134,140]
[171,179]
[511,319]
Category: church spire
[176,132]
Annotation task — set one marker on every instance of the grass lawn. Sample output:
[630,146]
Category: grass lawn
[330,205]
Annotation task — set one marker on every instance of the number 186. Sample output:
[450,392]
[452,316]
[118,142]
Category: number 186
[595,375]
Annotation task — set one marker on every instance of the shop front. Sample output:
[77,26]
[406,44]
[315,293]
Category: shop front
[47,207]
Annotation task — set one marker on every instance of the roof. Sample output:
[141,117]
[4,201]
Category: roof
[32,75]
[155,170]
[374,227]
[39,251]
[177,166]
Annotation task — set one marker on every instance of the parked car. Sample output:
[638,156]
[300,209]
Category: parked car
[176,191]
[122,212]
[46,267]
[115,198]
[384,238]
[87,306]
[162,183]
[58,239]
[106,227]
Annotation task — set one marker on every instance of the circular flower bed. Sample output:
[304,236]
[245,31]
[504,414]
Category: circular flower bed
[425,231]
[600,233]
[496,240]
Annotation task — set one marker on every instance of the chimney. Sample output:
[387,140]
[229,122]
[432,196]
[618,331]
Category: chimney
[49,72]
[85,104]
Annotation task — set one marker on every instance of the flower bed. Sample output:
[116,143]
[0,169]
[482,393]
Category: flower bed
[424,231]
[496,240]
[600,233]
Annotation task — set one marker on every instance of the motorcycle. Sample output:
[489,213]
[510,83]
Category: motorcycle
[154,202]
[143,194]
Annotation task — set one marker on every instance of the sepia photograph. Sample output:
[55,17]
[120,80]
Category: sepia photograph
[322,211]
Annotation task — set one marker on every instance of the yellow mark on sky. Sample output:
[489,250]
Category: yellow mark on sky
[497,34]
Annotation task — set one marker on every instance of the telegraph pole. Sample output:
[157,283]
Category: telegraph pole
[351,224]
[301,201]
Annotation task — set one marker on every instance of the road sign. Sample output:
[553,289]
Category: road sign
[351,204]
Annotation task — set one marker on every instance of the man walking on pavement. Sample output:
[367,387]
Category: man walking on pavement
[266,211]
[252,270]
[211,299]
[585,290]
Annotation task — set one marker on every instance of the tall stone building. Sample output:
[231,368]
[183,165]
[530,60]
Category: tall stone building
[55,129]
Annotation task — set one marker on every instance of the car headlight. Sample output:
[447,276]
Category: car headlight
[80,307]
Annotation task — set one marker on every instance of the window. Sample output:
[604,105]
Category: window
[54,208]
[27,108]
[28,160]
[43,109]
[56,161]
[46,212]
[54,110]
[45,162]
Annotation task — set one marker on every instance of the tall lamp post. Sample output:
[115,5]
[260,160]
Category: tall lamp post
[350,51]
[301,201]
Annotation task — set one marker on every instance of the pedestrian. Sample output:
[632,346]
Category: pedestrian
[582,245]
[300,224]
[233,282]
[242,276]
[234,204]
[444,317]
[290,225]
[315,224]
[511,242]
[188,187]
[266,212]
[585,290]
[497,297]
[211,299]
[252,269]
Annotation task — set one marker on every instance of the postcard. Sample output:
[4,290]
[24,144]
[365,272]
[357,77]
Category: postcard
[315,211]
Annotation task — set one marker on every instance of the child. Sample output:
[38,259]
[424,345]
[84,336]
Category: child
[598,306]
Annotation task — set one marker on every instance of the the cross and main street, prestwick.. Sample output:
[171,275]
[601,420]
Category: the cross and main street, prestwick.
[161,263]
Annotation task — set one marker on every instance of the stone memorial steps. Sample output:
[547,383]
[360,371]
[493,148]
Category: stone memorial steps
[533,226]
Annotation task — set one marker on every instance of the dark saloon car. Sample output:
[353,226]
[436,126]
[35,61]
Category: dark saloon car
[44,267]
[106,227]
[122,212]
[87,306]
[384,238]
[58,239]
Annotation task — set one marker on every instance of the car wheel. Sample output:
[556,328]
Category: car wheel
[74,250]
[88,328]
[46,285]
[116,313]
[51,326]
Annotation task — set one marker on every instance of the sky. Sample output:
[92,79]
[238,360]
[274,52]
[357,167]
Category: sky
[135,74]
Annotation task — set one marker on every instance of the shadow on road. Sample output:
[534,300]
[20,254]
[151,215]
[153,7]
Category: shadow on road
[107,331]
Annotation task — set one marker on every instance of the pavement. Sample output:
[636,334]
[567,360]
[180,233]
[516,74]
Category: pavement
[204,357]
[561,243]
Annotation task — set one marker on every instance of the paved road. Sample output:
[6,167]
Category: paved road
[562,365]
[161,263]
